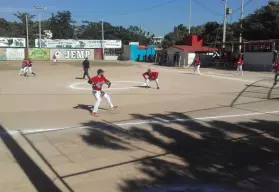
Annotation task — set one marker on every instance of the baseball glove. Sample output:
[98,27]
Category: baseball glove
[108,84]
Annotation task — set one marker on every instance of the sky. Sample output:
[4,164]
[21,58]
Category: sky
[156,16]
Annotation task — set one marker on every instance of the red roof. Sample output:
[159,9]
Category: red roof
[194,48]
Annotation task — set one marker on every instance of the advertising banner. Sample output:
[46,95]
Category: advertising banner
[72,54]
[79,44]
[39,54]
[12,42]
[3,54]
[15,53]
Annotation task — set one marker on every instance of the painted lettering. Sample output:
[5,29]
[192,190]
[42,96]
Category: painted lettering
[73,54]
[87,54]
[80,54]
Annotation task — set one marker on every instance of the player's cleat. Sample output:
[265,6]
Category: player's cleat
[275,83]
[158,87]
[114,107]
[94,114]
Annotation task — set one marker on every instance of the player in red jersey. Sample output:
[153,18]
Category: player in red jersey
[97,83]
[29,67]
[151,76]
[24,66]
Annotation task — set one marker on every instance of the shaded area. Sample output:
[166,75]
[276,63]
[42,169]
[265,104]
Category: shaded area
[240,156]
[34,173]
[257,91]
[87,107]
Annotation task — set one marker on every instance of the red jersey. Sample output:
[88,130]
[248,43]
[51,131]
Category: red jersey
[24,63]
[97,82]
[239,62]
[151,75]
[29,63]
[197,61]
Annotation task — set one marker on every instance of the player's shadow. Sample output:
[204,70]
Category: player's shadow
[240,155]
[144,87]
[79,78]
[86,107]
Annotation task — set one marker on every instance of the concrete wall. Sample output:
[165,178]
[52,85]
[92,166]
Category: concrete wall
[12,54]
[72,54]
[183,56]
[258,60]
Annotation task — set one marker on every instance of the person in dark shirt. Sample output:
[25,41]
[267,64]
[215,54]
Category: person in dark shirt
[85,65]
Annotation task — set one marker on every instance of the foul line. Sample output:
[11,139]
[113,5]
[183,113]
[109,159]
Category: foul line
[34,131]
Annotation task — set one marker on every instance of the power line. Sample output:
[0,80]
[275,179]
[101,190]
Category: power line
[208,8]
[241,6]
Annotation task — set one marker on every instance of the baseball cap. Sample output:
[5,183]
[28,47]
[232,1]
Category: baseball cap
[100,71]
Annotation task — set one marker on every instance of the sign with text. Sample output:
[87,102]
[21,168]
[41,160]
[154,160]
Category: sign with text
[39,54]
[12,42]
[15,53]
[72,54]
[79,44]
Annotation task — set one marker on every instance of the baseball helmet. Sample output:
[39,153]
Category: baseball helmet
[99,71]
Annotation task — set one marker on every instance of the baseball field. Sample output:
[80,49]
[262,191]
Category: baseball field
[215,130]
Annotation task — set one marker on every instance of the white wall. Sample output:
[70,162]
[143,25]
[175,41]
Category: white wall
[258,58]
[111,57]
[184,55]
[191,57]
[126,52]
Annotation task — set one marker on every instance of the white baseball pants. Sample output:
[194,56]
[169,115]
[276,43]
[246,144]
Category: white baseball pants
[28,69]
[22,71]
[147,82]
[197,69]
[98,95]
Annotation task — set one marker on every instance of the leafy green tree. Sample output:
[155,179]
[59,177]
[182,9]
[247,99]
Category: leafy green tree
[61,25]
[263,23]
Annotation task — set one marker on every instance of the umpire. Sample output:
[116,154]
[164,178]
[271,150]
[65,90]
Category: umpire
[85,65]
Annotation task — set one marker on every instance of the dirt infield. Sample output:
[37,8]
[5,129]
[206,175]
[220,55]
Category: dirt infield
[215,130]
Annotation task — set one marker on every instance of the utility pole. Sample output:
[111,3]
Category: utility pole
[225,22]
[103,37]
[241,18]
[190,16]
[27,33]
[40,27]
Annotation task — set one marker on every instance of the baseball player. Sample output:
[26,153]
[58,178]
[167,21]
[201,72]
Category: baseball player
[239,65]
[28,69]
[86,66]
[97,83]
[197,65]
[23,67]
[151,76]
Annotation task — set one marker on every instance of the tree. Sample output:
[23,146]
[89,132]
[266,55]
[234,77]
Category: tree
[263,23]
[61,25]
